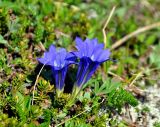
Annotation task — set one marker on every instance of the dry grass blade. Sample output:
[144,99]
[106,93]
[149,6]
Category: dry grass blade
[134,88]
[34,87]
[42,46]
[105,26]
[115,75]
[140,74]
[138,31]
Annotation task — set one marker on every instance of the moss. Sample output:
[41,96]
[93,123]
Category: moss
[3,22]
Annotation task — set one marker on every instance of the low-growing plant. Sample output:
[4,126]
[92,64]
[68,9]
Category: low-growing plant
[63,93]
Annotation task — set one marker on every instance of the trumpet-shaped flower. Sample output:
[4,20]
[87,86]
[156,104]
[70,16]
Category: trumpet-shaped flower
[57,60]
[91,54]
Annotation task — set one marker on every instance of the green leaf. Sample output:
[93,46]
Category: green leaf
[107,87]
[110,86]
[120,97]
[2,40]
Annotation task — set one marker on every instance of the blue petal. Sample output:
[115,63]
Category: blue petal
[93,68]
[96,54]
[48,56]
[99,46]
[52,49]
[89,48]
[92,46]
[77,54]
[62,53]
[104,56]
[82,70]
[41,60]
[85,70]
[94,41]
[59,76]
[59,60]
[46,59]
[51,55]
[79,43]
[71,58]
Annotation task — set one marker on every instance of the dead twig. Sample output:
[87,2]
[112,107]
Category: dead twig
[129,122]
[133,88]
[135,33]
[34,87]
[130,87]
[42,46]
[115,75]
[140,74]
[105,26]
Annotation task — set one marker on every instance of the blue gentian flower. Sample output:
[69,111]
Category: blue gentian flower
[57,60]
[91,54]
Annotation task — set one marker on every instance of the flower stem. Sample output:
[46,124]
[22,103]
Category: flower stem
[73,96]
